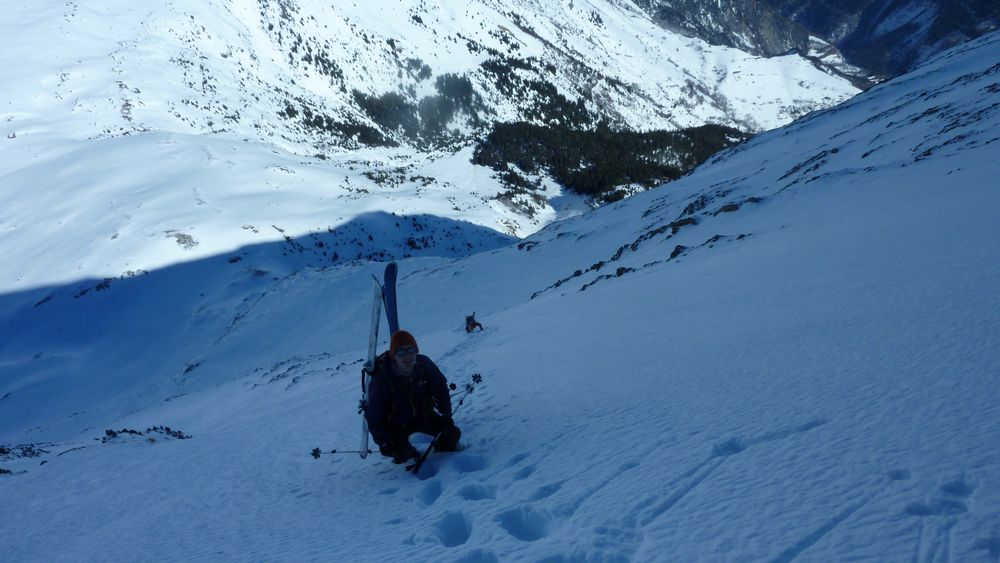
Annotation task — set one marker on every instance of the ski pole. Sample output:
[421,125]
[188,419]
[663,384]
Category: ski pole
[415,466]
[316,452]
[469,387]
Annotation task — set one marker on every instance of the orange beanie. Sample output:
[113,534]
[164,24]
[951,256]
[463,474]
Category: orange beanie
[401,339]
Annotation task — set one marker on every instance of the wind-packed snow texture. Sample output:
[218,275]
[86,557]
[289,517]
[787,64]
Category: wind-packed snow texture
[790,354]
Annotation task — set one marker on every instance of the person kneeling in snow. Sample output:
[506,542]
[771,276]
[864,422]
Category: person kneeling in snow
[408,394]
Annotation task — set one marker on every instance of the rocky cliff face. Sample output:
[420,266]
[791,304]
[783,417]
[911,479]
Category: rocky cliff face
[758,27]
[749,25]
[891,36]
[884,37]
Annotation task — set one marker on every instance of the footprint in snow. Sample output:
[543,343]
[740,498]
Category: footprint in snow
[546,491]
[525,523]
[478,492]
[936,507]
[955,494]
[432,491]
[428,470]
[470,463]
[899,474]
[517,459]
[524,473]
[991,545]
[958,488]
[454,529]
[479,556]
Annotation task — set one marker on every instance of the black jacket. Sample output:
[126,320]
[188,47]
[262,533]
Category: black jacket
[401,401]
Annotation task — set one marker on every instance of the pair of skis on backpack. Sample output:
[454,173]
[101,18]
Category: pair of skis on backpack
[385,295]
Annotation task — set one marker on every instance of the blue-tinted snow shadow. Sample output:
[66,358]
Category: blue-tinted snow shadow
[64,348]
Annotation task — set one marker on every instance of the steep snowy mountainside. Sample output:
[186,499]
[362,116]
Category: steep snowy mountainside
[936,128]
[878,37]
[757,27]
[236,65]
[891,37]
[789,354]
[205,126]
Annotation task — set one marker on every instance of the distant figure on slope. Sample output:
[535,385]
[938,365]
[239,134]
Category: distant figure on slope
[471,323]
[408,394]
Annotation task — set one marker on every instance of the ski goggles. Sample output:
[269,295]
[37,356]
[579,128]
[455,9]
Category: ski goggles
[406,351]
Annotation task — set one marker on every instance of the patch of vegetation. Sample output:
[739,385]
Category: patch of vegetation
[417,68]
[347,131]
[165,431]
[520,194]
[391,111]
[324,64]
[543,101]
[501,70]
[425,122]
[594,162]
[456,96]
[21,451]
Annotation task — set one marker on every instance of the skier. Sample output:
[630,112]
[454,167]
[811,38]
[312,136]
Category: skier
[408,394]
[471,323]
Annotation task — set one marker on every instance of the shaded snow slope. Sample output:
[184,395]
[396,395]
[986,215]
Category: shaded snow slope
[790,354]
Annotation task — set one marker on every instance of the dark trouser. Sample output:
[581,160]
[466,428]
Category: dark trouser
[434,423]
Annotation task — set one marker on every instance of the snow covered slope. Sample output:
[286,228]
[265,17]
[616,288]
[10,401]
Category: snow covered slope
[790,354]
[195,128]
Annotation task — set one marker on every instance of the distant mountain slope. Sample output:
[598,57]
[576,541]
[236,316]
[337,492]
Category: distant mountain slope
[884,37]
[200,127]
[890,37]
[293,72]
